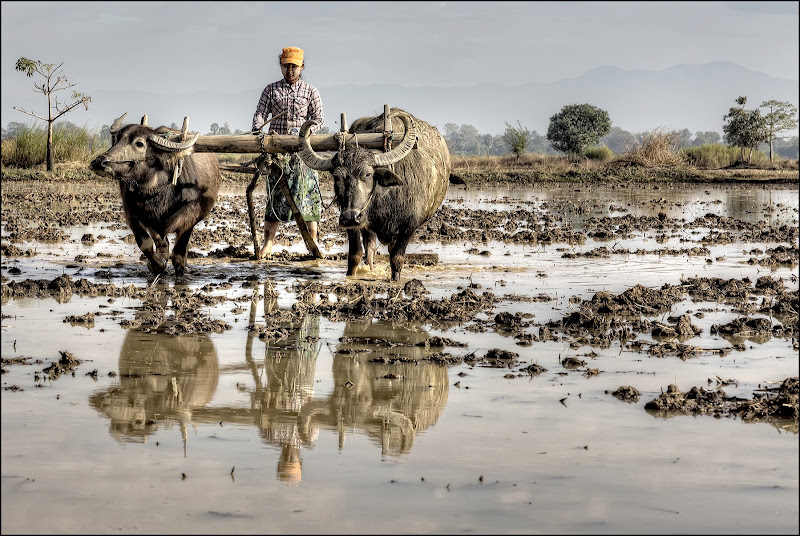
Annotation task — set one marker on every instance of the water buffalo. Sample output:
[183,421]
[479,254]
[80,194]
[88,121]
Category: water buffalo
[165,187]
[383,203]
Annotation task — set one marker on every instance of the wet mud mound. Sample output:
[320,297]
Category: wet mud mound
[780,402]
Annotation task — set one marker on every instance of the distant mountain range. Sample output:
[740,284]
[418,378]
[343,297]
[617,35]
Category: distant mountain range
[683,96]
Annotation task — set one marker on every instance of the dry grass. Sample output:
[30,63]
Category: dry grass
[657,151]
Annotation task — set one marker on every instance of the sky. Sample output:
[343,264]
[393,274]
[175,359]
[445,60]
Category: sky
[180,47]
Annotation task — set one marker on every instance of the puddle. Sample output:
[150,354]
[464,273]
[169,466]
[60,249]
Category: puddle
[475,394]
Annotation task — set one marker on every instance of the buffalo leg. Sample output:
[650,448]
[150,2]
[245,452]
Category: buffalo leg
[155,263]
[397,256]
[179,251]
[370,245]
[161,245]
[182,223]
[355,253]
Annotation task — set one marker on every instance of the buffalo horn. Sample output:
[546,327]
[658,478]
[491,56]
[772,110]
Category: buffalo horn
[307,154]
[117,126]
[410,138]
[144,120]
[164,143]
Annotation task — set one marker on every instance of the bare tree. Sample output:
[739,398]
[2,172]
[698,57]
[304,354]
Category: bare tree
[53,81]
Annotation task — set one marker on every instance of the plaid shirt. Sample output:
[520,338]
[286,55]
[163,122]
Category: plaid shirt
[301,99]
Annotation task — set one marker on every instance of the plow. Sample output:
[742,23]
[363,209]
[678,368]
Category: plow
[265,145]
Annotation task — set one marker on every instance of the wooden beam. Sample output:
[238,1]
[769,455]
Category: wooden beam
[276,143]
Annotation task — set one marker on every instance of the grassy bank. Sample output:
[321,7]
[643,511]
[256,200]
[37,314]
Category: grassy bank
[474,176]
[655,159]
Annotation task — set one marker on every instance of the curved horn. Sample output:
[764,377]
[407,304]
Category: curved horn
[399,152]
[307,154]
[164,143]
[117,126]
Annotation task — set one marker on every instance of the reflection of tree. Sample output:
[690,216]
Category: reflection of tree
[162,378]
[381,387]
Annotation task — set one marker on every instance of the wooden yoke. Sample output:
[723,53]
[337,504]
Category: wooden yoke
[265,144]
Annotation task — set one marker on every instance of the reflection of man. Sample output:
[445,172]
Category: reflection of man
[290,371]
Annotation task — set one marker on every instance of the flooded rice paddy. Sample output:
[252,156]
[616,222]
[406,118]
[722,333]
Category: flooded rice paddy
[559,359]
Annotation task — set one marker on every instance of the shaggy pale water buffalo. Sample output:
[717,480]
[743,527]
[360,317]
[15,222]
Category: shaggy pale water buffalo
[385,196]
[165,188]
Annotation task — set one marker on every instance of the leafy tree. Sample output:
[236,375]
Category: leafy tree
[576,127]
[683,138]
[53,81]
[487,142]
[787,148]
[780,116]
[14,128]
[709,137]
[618,140]
[224,130]
[214,129]
[516,138]
[744,128]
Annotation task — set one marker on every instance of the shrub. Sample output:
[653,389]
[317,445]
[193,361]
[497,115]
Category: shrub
[657,151]
[70,144]
[712,156]
[600,153]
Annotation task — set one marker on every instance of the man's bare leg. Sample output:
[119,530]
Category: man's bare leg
[270,230]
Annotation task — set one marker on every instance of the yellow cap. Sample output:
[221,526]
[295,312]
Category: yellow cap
[292,55]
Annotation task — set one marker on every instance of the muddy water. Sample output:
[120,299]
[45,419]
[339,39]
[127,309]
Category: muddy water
[327,423]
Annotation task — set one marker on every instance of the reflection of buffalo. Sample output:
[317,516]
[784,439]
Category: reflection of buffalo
[390,402]
[160,376]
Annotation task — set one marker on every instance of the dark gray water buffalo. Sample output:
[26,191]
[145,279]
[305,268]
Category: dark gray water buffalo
[165,188]
[385,204]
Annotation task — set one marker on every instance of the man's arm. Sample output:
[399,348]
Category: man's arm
[315,112]
[261,110]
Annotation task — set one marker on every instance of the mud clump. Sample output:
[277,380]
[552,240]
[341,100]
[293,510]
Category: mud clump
[534,370]
[10,250]
[85,320]
[626,393]
[66,364]
[683,329]
[572,363]
[779,402]
[500,358]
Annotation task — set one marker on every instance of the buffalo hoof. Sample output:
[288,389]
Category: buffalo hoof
[157,265]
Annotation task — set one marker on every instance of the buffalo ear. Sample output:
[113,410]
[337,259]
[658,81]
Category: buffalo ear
[386,177]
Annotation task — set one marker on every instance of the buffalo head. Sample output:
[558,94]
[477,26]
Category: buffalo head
[138,149]
[357,171]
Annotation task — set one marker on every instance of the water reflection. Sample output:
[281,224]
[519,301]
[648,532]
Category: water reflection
[380,387]
[781,424]
[283,386]
[162,379]
[389,403]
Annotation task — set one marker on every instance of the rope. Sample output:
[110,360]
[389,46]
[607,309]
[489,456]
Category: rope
[270,193]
